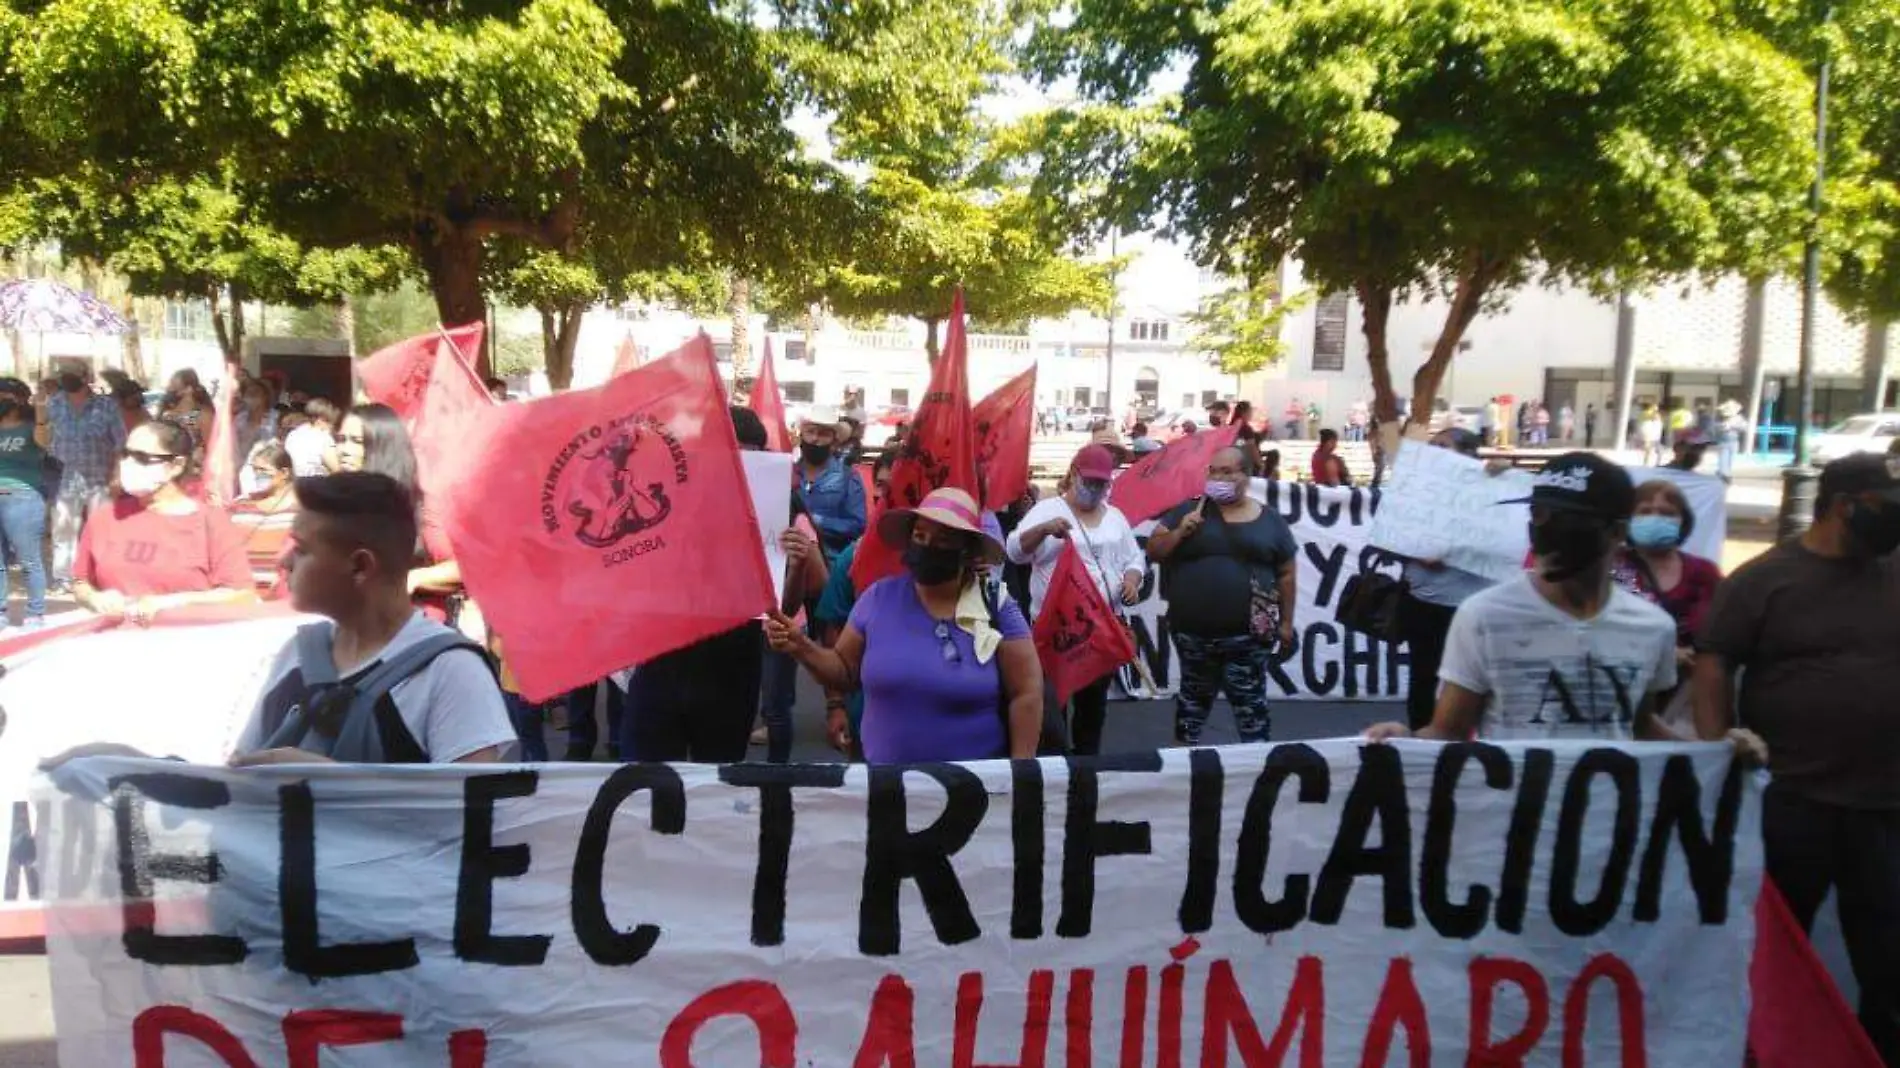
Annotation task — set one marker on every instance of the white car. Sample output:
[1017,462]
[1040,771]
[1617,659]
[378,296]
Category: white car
[1860,433]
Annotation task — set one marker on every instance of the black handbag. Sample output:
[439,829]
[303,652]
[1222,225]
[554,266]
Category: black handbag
[1370,604]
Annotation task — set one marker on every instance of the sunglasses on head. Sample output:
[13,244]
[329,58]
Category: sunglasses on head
[140,456]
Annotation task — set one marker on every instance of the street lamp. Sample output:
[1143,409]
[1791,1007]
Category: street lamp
[1800,480]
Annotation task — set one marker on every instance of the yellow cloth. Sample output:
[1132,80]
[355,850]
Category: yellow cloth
[973,618]
[508,683]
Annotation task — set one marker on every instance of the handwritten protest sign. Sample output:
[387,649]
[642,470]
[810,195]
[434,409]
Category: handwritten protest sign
[1329,662]
[1209,907]
[769,476]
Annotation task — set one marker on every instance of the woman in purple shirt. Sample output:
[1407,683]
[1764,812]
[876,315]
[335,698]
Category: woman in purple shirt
[947,674]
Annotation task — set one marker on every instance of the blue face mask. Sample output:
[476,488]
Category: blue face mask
[1655,531]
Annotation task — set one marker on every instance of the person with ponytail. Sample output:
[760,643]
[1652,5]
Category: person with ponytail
[154,547]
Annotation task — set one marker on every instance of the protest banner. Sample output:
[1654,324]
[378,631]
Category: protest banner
[175,689]
[1078,637]
[1469,904]
[1442,506]
[1329,662]
[1004,422]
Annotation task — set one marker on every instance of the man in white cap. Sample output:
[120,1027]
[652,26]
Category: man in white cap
[832,493]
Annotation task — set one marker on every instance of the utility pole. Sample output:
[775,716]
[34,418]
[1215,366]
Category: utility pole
[1114,295]
[1799,480]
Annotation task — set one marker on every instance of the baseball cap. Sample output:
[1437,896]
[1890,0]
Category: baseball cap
[1583,482]
[1863,472]
[1095,461]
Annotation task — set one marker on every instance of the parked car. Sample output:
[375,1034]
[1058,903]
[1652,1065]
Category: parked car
[1861,433]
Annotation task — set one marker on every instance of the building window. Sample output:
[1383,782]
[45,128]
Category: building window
[795,350]
[1187,400]
[188,321]
[1082,394]
[1148,330]
[722,351]
[900,398]
[1209,396]
[799,392]
[1329,333]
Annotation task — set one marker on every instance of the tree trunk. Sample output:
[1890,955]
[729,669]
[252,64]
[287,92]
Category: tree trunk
[931,349]
[1375,302]
[131,354]
[1474,282]
[451,258]
[560,332]
[346,322]
[741,308]
[808,325]
[230,328]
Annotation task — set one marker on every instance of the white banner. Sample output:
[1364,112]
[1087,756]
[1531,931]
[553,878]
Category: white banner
[182,691]
[1329,662]
[769,476]
[1443,506]
[1536,905]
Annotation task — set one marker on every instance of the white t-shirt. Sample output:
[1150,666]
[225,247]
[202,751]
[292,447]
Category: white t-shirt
[452,707]
[1112,539]
[1548,674]
[306,446]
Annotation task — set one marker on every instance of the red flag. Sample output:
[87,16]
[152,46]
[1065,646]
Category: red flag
[221,474]
[939,451]
[769,405]
[438,431]
[1003,421]
[1797,1016]
[398,375]
[1078,638]
[1161,480]
[626,357]
[613,524]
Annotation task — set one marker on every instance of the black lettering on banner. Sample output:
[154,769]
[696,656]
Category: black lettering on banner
[1378,791]
[1256,838]
[1288,503]
[1323,512]
[1362,655]
[1156,647]
[1321,678]
[593,928]
[1086,839]
[1276,667]
[1520,839]
[482,863]
[1711,857]
[1330,563]
[22,855]
[304,951]
[1580,918]
[140,868]
[1434,868]
[1397,655]
[894,853]
[775,783]
[1205,783]
[1026,814]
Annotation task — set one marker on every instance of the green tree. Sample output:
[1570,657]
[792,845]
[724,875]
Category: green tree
[1861,228]
[1241,325]
[1460,147]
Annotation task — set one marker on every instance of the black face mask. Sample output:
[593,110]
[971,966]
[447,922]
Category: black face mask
[814,455]
[1569,544]
[931,565]
[1877,531]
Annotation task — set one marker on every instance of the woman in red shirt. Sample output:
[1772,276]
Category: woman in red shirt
[155,547]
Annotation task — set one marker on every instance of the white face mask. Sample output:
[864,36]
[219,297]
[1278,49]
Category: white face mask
[142,480]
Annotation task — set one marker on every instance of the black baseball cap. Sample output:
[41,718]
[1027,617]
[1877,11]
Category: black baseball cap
[1583,482]
[1863,472]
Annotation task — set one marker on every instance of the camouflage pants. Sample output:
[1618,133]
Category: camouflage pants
[1237,665]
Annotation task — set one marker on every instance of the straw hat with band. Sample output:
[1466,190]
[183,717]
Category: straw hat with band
[949,507]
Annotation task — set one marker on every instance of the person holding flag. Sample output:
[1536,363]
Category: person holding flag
[948,672]
[1109,552]
[1230,566]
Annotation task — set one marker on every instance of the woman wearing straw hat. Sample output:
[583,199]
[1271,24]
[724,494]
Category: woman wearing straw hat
[947,674]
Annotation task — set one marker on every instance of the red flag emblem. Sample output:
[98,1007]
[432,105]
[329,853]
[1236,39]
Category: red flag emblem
[1078,638]
[398,375]
[1161,480]
[939,452]
[611,524]
[1004,420]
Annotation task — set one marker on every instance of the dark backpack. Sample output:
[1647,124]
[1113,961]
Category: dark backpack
[349,721]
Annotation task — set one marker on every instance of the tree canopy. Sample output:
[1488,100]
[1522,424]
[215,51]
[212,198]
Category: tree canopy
[1458,146]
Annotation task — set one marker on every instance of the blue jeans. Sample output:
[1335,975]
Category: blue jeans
[1725,454]
[23,523]
[780,693]
[526,717]
[1237,665]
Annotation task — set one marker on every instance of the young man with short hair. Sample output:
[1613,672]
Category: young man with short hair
[1813,627]
[436,700]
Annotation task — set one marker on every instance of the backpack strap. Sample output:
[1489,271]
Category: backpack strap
[367,734]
